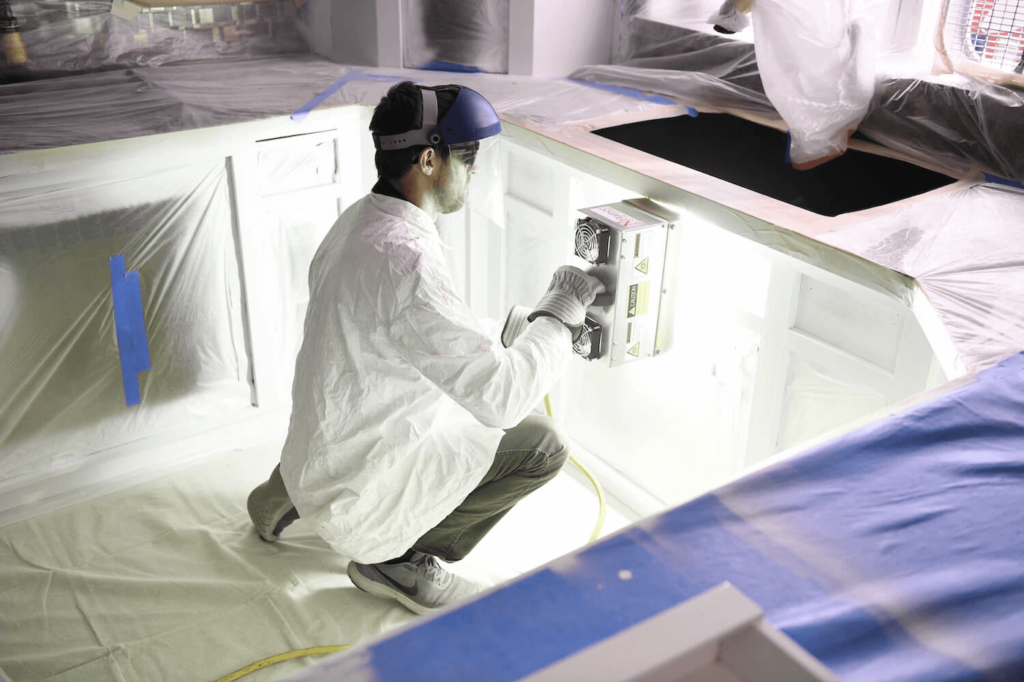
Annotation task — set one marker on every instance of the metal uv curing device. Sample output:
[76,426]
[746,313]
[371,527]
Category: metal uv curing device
[626,245]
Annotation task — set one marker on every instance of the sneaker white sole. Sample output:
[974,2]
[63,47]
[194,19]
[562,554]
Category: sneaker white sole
[381,590]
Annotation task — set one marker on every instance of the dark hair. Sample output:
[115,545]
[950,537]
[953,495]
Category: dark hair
[400,111]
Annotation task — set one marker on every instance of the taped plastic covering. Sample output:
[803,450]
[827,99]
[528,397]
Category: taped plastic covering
[61,395]
[948,123]
[68,37]
[965,251]
[136,102]
[815,402]
[455,35]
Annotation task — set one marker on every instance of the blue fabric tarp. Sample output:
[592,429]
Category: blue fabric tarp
[894,553]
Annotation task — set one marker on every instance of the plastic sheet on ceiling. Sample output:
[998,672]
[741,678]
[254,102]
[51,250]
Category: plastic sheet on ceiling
[949,123]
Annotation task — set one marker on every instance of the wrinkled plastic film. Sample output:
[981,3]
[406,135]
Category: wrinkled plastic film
[817,63]
[973,277]
[71,37]
[951,123]
[61,393]
[137,102]
[457,35]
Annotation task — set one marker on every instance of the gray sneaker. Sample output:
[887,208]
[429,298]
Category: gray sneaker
[419,584]
[270,508]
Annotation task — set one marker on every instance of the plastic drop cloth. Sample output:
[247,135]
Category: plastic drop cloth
[965,250]
[144,101]
[400,392]
[62,38]
[948,123]
[458,35]
[62,400]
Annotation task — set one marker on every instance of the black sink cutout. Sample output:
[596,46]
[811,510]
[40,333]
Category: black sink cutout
[754,156]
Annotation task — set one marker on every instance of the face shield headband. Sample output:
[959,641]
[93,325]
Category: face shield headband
[427,135]
[471,118]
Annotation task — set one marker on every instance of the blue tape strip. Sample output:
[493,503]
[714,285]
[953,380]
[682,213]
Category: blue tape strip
[130,325]
[1003,181]
[436,65]
[636,94]
[302,112]
[136,322]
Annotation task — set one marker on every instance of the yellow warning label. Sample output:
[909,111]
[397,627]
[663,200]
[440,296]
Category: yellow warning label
[629,332]
[638,299]
[635,351]
[642,265]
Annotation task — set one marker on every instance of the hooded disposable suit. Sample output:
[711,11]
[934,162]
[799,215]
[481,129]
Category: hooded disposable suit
[401,394]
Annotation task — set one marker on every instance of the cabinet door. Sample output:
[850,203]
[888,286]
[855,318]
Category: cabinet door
[62,391]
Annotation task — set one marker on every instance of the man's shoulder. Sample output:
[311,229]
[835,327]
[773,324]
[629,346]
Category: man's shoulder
[374,243]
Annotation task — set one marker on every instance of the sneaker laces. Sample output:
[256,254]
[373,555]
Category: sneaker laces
[428,566]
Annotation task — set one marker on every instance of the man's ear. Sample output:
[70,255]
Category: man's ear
[428,161]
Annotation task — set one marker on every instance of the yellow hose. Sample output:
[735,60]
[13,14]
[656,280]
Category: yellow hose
[298,653]
[602,506]
[319,650]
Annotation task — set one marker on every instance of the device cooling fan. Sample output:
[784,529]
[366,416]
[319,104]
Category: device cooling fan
[588,345]
[592,240]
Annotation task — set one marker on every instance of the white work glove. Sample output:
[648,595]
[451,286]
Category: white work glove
[569,295]
[515,324]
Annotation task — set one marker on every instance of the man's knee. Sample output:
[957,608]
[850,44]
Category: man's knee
[549,439]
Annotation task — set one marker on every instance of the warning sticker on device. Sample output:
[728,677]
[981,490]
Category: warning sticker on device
[641,254]
[634,351]
[639,296]
[634,332]
[618,217]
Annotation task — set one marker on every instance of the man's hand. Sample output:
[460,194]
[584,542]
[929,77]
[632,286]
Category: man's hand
[568,296]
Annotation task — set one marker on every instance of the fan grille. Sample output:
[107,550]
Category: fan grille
[988,31]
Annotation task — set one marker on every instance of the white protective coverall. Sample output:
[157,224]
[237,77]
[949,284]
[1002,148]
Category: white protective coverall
[400,395]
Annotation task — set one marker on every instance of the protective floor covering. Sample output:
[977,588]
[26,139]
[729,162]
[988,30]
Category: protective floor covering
[168,580]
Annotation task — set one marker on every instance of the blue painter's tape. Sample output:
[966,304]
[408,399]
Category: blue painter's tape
[436,65]
[302,112]
[136,322]
[1003,181]
[132,343]
[636,94]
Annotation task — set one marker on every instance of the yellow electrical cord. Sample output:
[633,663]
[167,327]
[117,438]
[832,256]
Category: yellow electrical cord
[319,650]
[298,653]
[602,506]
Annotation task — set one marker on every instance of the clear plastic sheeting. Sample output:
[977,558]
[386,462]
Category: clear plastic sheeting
[69,37]
[817,62]
[169,581]
[955,123]
[144,101]
[948,123]
[965,251]
[816,402]
[457,35]
[62,396]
